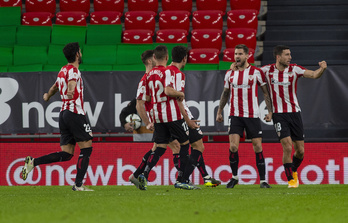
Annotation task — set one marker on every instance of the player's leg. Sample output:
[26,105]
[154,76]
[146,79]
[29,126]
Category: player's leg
[174,145]
[234,159]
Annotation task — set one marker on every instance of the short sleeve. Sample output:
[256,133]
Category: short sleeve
[261,77]
[299,70]
[73,74]
[227,79]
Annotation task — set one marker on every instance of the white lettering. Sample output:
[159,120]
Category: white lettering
[200,106]
[251,176]
[118,108]
[99,172]
[345,170]
[317,170]
[331,168]
[120,170]
[70,176]
[50,114]
[165,171]
[278,175]
[50,169]
[269,167]
[8,89]
[40,114]
[221,169]
[93,117]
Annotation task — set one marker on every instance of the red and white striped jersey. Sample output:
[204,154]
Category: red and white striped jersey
[283,87]
[141,95]
[242,85]
[165,108]
[179,85]
[66,74]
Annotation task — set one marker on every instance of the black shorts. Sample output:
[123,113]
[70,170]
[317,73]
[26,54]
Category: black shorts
[252,127]
[195,135]
[166,132]
[288,124]
[73,128]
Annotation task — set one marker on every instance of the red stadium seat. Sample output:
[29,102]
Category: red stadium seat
[243,18]
[71,18]
[106,17]
[109,5]
[206,38]
[240,36]
[174,20]
[177,5]
[207,19]
[137,36]
[74,5]
[140,20]
[37,19]
[171,36]
[229,55]
[10,3]
[204,56]
[245,4]
[212,5]
[40,6]
[143,5]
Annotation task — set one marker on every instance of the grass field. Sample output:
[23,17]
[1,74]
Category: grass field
[244,203]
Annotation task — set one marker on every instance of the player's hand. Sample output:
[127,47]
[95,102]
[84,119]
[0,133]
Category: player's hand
[268,117]
[192,124]
[219,118]
[233,67]
[323,64]
[128,127]
[70,94]
[150,126]
[180,98]
[45,97]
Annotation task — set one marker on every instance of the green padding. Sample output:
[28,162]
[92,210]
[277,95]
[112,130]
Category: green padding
[131,53]
[52,67]
[6,56]
[26,68]
[93,67]
[224,65]
[34,35]
[170,46]
[67,34]
[10,16]
[24,55]
[104,34]
[56,55]
[3,69]
[201,66]
[129,67]
[99,54]
[7,35]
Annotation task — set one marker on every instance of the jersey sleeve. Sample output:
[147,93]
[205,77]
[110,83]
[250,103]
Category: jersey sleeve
[141,91]
[261,77]
[73,74]
[227,79]
[169,79]
[299,70]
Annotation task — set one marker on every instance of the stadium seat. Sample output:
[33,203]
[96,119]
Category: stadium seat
[171,36]
[137,36]
[109,5]
[55,56]
[206,38]
[37,19]
[52,67]
[207,19]
[77,18]
[143,5]
[245,4]
[140,20]
[212,5]
[6,56]
[105,17]
[129,67]
[204,55]
[243,18]
[67,34]
[40,6]
[74,5]
[26,55]
[10,16]
[25,68]
[174,20]
[104,34]
[95,67]
[3,69]
[177,5]
[8,35]
[34,35]
[237,36]
[99,54]
[11,3]
[228,55]
[131,53]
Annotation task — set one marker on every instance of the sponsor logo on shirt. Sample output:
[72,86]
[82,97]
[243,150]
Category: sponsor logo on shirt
[280,83]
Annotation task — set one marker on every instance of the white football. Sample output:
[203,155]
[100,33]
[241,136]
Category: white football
[135,119]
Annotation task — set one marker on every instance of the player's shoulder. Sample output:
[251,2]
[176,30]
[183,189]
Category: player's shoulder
[294,66]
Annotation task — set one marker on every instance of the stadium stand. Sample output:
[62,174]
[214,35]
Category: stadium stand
[40,6]
[65,34]
[207,19]
[171,36]
[29,55]
[99,54]
[33,35]
[140,20]
[71,18]
[106,5]
[37,19]
[245,4]
[104,34]
[206,38]
[8,35]
[10,3]
[137,36]
[177,5]
[174,20]
[73,5]
[212,5]
[242,18]
[105,18]
[10,16]
[143,5]
[235,36]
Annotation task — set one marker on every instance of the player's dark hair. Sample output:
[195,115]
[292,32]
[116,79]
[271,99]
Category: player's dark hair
[160,52]
[278,50]
[179,53]
[70,51]
[146,55]
[243,47]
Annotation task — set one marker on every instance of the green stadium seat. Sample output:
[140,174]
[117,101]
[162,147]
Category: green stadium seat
[224,65]
[10,16]
[131,53]
[8,35]
[99,54]
[95,67]
[25,55]
[104,34]
[129,67]
[26,68]
[6,56]
[34,35]
[55,55]
[3,69]
[67,34]
[190,66]
[52,67]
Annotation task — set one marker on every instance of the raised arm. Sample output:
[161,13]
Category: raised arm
[223,100]
[50,92]
[315,74]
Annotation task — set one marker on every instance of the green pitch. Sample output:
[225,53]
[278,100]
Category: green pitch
[244,203]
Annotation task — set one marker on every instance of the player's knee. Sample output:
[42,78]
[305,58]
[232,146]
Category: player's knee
[160,151]
[66,156]
[233,148]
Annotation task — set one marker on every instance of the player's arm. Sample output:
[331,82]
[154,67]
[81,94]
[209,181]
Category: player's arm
[191,123]
[171,92]
[50,92]
[71,89]
[223,100]
[315,74]
[268,101]
[142,113]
